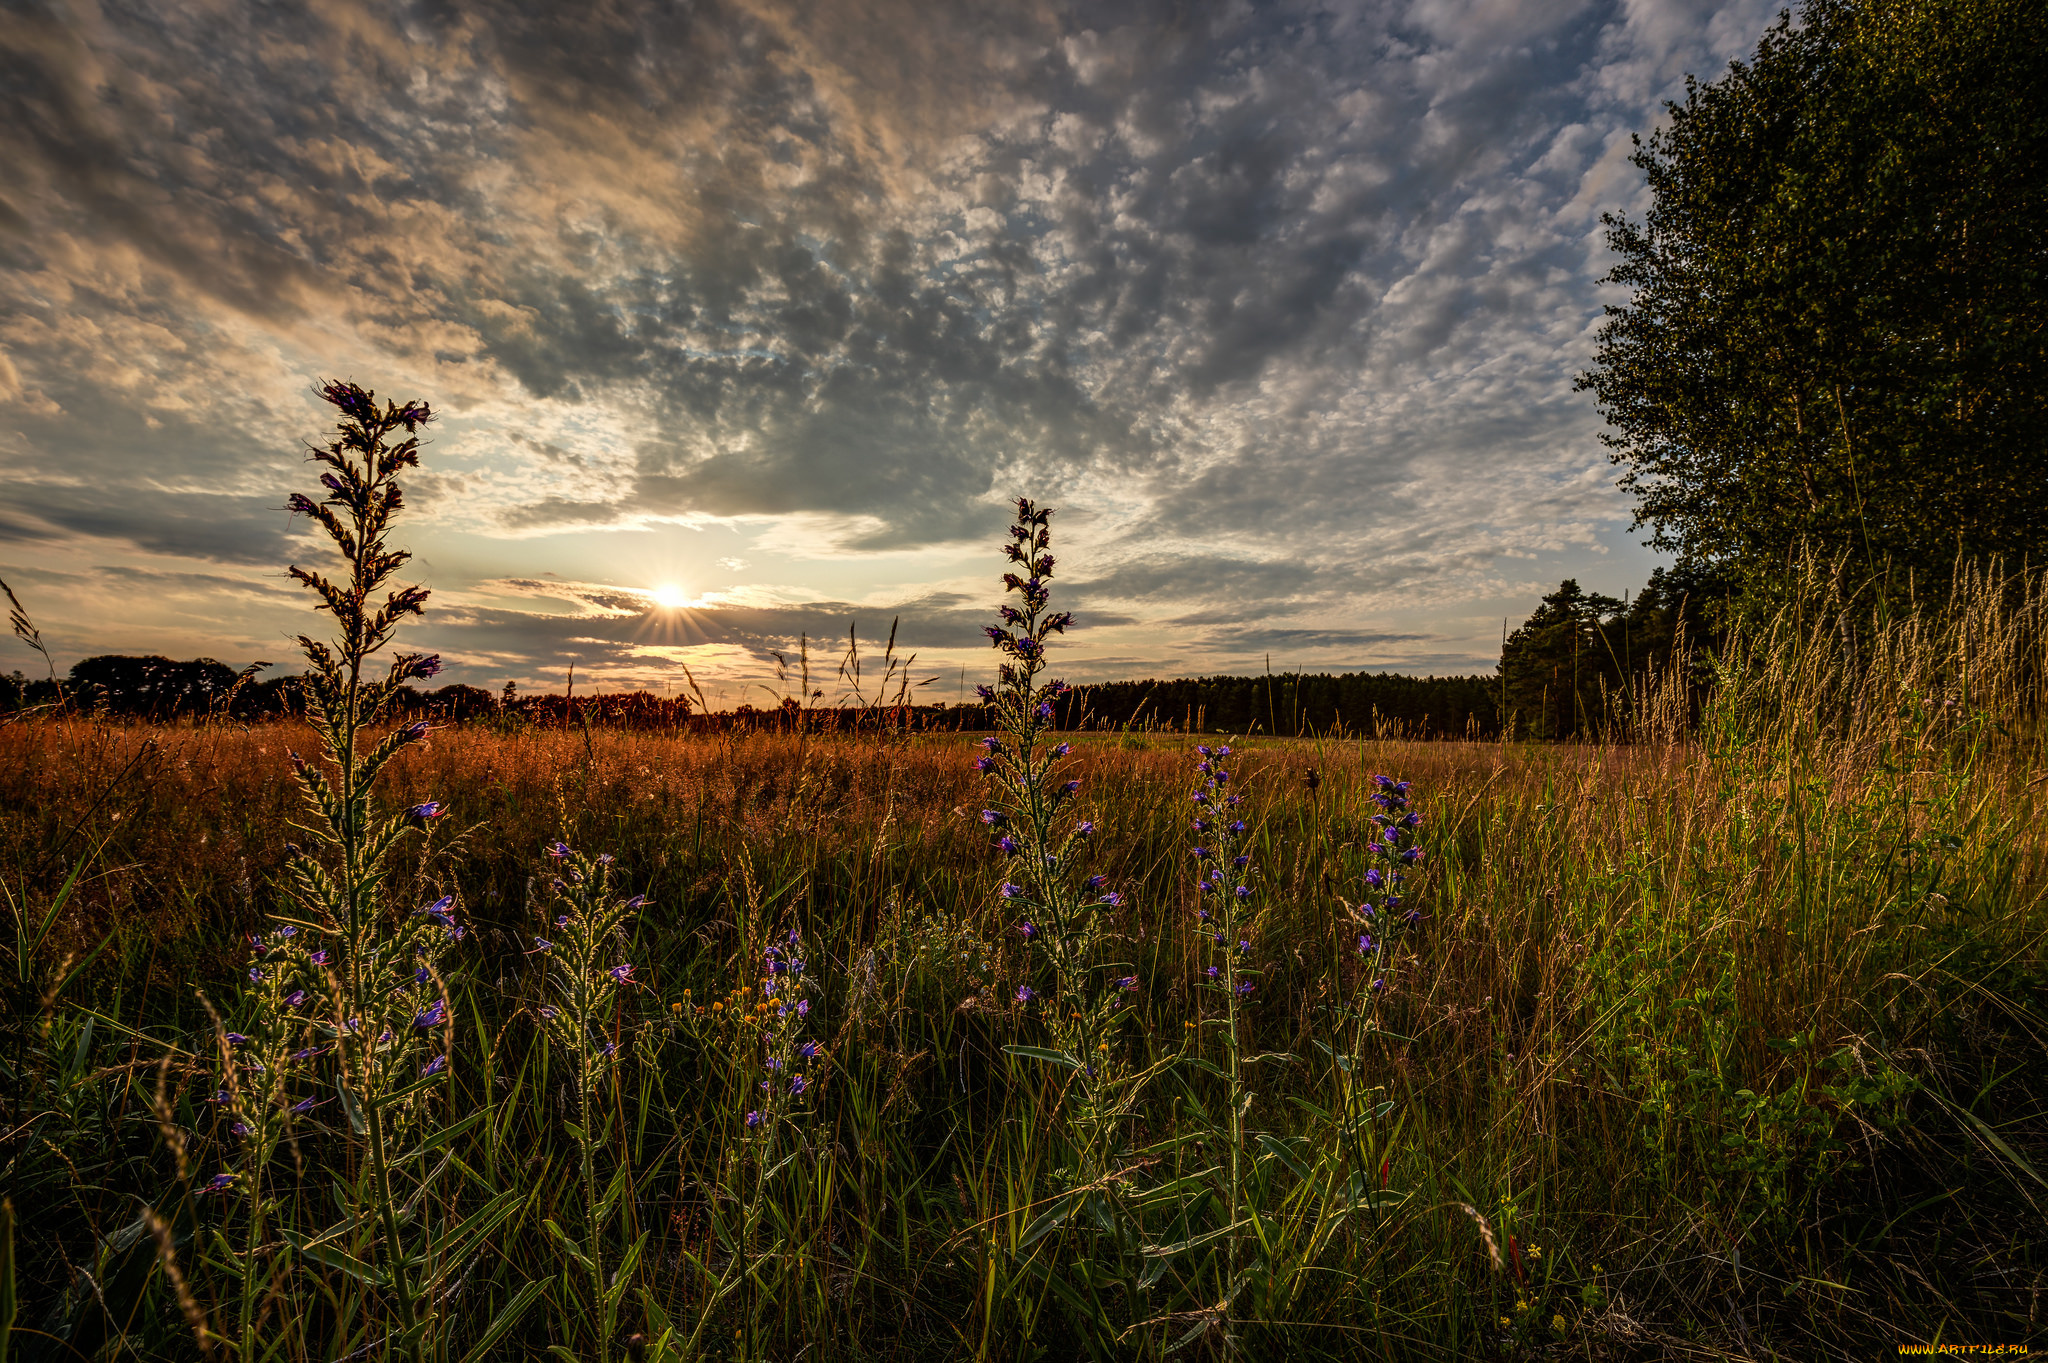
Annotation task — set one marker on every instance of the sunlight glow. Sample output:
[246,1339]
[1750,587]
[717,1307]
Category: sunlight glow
[668,596]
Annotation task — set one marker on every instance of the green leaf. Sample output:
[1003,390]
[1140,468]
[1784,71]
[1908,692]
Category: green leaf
[327,1256]
[570,1246]
[350,1106]
[1195,1241]
[501,1324]
[1039,1053]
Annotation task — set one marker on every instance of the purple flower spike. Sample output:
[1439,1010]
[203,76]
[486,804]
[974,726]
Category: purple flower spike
[1213,972]
[434,1066]
[543,944]
[1025,993]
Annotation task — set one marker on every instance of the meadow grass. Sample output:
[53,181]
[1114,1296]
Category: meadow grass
[1723,1047]
[347,1039]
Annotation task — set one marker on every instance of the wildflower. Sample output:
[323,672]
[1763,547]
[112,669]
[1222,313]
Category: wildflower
[432,809]
[994,818]
[753,1119]
[808,1051]
[543,944]
[1244,987]
[803,1007]
[1112,899]
[558,850]
[1127,983]
[255,974]
[1027,930]
[1243,892]
[439,910]
[304,1105]
[796,1085]
[219,1183]
[1009,845]
[621,974]
[1010,891]
[236,1039]
[318,957]
[295,999]
[433,1016]
[308,1052]
[1094,882]
[1061,750]
[1213,972]
[1025,993]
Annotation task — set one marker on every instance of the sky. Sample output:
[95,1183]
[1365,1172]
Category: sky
[746,321]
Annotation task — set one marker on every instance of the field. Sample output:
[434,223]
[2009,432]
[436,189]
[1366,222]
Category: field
[1724,1043]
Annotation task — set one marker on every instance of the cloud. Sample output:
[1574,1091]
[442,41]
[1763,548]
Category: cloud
[1283,300]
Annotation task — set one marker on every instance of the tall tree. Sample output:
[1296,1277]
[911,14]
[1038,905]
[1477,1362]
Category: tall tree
[1838,333]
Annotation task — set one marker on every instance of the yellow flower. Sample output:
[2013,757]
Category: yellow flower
[1559,1324]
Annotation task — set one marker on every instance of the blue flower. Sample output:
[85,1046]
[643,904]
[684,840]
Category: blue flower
[434,1015]
[304,1105]
[236,1039]
[621,974]
[808,1051]
[753,1119]
[1243,892]
[1112,899]
[1010,891]
[1027,930]
[432,809]
[796,1085]
[994,818]
[217,1184]
[318,957]
[1084,828]
[1094,882]
[558,850]
[1025,993]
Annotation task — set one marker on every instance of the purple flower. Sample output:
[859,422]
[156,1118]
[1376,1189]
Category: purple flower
[638,901]
[803,1007]
[307,1053]
[984,764]
[1244,988]
[299,504]
[304,1105]
[796,1085]
[1213,972]
[1084,828]
[987,693]
[1201,853]
[1027,930]
[295,999]
[219,1183]
[621,974]
[1044,710]
[558,850]
[429,666]
[1094,882]
[1411,856]
[240,1128]
[1243,892]
[1010,891]
[808,1051]
[1009,845]
[753,1119]
[439,910]
[1240,861]
[1378,985]
[1237,825]
[1061,750]
[236,1039]
[415,730]
[1127,983]
[543,944]
[1112,899]
[1372,877]
[1069,790]
[994,818]
[1243,945]
[222,1097]
[1364,944]
[318,957]
[255,974]
[434,1015]
[1025,993]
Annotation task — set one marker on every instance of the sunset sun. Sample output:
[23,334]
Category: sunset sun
[668,596]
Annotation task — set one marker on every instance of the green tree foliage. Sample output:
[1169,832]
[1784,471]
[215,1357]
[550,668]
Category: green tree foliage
[1838,333]
[1290,703]
[1576,663]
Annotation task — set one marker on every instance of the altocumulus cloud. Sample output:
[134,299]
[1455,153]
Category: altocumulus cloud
[1281,301]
